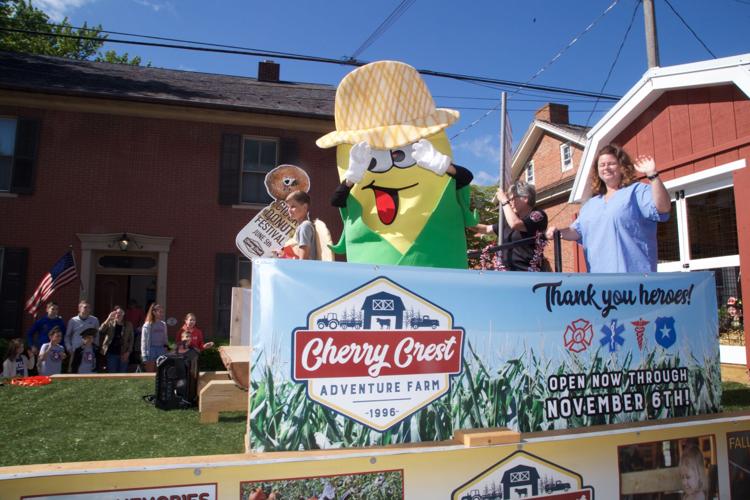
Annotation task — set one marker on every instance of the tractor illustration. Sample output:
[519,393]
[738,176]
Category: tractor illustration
[330,320]
[472,495]
[423,322]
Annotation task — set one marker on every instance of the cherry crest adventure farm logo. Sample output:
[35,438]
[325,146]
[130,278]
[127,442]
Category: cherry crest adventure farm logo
[377,354]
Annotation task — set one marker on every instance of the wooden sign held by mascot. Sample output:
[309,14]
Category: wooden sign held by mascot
[401,198]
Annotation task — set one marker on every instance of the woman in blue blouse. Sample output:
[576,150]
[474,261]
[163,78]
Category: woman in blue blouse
[617,226]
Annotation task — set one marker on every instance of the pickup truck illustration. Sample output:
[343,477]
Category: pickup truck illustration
[556,486]
[423,322]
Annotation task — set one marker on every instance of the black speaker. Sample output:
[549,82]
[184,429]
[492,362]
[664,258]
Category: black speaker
[177,380]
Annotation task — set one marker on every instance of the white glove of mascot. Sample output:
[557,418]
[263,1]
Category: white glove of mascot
[423,152]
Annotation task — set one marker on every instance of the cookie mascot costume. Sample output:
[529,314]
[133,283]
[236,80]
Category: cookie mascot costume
[401,198]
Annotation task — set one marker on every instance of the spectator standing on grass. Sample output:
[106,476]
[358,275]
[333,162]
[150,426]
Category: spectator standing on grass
[617,226]
[86,358]
[195,333]
[117,340]
[135,315]
[154,340]
[17,363]
[52,354]
[77,324]
[38,334]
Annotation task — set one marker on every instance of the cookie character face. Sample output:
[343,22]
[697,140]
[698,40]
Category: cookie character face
[284,179]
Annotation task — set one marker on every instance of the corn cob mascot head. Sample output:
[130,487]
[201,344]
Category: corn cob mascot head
[402,200]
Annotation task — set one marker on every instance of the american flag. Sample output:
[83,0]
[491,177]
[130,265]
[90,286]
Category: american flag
[62,273]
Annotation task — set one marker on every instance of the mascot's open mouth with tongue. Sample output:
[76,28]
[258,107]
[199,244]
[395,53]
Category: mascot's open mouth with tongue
[386,201]
[398,198]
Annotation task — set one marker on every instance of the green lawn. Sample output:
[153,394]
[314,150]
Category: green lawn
[105,419]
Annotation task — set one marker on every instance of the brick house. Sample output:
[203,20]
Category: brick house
[175,160]
[694,119]
[548,156]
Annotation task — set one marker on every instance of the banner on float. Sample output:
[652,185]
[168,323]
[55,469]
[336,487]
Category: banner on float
[357,355]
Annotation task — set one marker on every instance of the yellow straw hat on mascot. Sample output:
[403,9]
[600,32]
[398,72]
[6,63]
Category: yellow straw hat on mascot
[401,198]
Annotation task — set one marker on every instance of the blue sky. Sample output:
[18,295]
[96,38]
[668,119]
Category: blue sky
[504,39]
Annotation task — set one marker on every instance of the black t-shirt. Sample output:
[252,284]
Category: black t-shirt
[522,257]
[116,345]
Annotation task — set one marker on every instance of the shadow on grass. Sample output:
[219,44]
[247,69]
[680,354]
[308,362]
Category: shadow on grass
[735,397]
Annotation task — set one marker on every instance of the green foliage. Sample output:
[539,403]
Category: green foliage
[487,210]
[374,486]
[60,39]
[105,419]
[283,418]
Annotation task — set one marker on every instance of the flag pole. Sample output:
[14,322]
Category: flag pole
[78,275]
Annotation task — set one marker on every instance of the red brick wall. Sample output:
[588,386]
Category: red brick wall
[102,173]
[548,171]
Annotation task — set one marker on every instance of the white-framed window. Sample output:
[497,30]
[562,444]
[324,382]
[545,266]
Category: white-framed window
[530,172]
[701,234]
[566,157]
[7,150]
[259,156]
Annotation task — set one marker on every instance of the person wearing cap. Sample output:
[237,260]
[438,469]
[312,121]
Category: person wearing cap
[86,357]
[401,198]
[77,324]
[117,340]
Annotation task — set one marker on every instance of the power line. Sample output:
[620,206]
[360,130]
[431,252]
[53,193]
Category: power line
[300,57]
[387,23]
[617,57]
[690,29]
[543,68]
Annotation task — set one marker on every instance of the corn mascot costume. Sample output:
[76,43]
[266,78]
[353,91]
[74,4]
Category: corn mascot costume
[401,198]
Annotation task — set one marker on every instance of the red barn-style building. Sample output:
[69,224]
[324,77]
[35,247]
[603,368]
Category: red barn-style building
[694,119]
[149,174]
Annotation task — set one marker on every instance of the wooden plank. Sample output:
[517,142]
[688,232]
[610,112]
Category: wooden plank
[679,124]
[218,396]
[486,437]
[239,317]
[662,133]
[205,377]
[699,107]
[650,481]
[237,361]
[734,373]
[741,113]
[722,114]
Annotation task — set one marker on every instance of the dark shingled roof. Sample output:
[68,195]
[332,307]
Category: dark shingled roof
[55,75]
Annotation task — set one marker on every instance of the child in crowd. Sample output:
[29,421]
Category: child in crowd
[52,354]
[39,332]
[185,343]
[194,333]
[86,358]
[693,474]
[17,363]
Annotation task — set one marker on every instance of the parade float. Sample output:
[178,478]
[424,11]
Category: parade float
[369,379]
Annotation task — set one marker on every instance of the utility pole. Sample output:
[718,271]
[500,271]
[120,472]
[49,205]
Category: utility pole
[501,182]
[652,45]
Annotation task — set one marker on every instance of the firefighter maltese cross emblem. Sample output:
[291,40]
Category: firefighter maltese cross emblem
[377,354]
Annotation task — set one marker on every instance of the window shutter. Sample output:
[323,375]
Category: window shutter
[24,157]
[288,151]
[229,169]
[12,287]
[225,279]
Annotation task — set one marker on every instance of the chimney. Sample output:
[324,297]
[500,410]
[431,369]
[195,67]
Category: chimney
[268,71]
[553,113]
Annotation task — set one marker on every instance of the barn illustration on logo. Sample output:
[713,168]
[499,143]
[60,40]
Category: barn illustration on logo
[377,354]
[522,475]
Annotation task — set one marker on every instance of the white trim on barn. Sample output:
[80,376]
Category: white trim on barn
[654,83]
